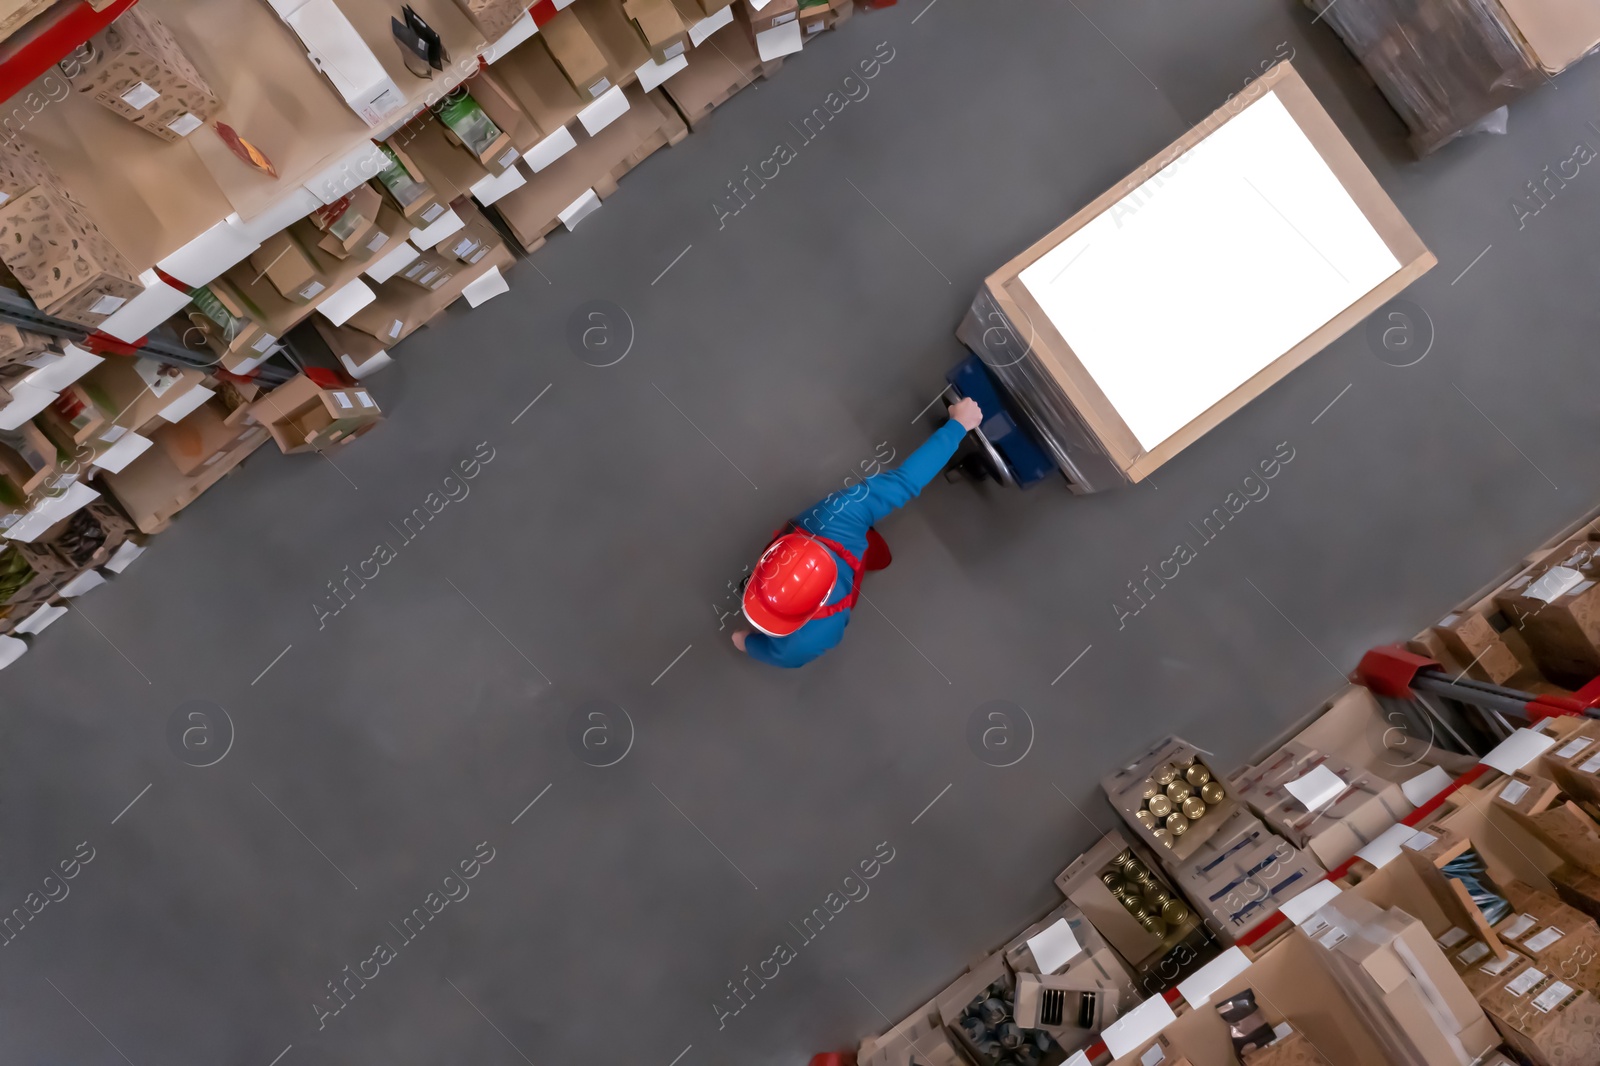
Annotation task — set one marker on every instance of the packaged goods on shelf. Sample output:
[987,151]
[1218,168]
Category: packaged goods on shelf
[350,224]
[465,118]
[302,416]
[136,69]
[493,17]
[660,27]
[288,266]
[576,53]
[771,15]
[404,182]
[70,269]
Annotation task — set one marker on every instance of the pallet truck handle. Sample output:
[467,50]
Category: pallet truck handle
[997,462]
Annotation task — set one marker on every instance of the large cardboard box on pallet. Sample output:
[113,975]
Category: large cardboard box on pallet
[1140,323]
[659,26]
[136,69]
[69,267]
[493,17]
[575,52]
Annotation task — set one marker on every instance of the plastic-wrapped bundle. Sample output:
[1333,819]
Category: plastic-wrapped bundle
[1444,65]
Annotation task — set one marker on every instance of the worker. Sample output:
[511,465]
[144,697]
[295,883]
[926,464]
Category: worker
[806,583]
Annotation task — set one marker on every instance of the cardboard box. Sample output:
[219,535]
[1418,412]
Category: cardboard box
[1559,823]
[985,977]
[1574,763]
[1400,980]
[493,17]
[1019,957]
[289,267]
[776,13]
[430,271]
[68,266]
[659,26]
[1126,789]
[1543,1018]
[302,417]
[1242,875]
[711,7]
[28,457]
[575,52]
[1472,638]
[470,126]
[1292,1050]
[1333,832]
[1562,631]
[350,224]
[18,345]
[402,179]
[137,69]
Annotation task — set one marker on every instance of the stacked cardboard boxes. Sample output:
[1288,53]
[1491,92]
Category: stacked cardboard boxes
[135,68]
[69,267]
[302,415]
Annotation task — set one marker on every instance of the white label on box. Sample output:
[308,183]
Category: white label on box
[510,157]
[311,290]
[1455,936]
[1314,924]
[463,246]
[106,304]
[364,398]
[1473,952]
[1333,938]
[1591,764]
[1054,947]
[1555,582]
[675,51]
[395,327]
[1497,966]
[1520,984]
[1307,903]
[378,241]
[342,400]
[439,284]
[263,342]
[1543,939]
[429,276]
[709,25]
[781,19]
[4,196]
[433,212]
[1420,841]
[1152,1056]
[140,97]
[1198,987]
[599,87]
[479,254]
[1316,789]
[1572,747]
[1512,928]
[814,27]
[1141,1023]
[184,124]
[1552,997]
[415,269]
[1513,791]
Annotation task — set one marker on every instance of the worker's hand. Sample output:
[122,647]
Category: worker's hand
[738,638]
[968,413]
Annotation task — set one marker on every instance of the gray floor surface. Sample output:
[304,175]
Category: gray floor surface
[565,611]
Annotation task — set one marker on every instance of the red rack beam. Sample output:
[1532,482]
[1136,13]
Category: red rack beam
[49,39]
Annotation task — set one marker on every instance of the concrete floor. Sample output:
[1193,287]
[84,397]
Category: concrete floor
[585,570]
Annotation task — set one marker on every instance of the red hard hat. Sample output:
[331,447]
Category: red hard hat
[790,584]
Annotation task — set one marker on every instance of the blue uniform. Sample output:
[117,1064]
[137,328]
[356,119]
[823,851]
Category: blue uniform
[844,517]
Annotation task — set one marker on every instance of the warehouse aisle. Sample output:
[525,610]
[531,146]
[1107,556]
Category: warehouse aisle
[516,799]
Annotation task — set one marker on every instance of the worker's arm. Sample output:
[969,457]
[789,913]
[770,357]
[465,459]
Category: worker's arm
[849,512]
[800,647]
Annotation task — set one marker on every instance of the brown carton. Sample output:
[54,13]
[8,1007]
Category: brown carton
[1543,1018]
[575,52]
[1292,1050]
[137,70]
[1474,641]
[775,14]
[660,27]
[60,256]
[288,266]
[493,17]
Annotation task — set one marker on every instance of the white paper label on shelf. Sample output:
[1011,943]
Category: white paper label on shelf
[1307,903]
[515,34]
[580,209]
[1553,584]
[779,42]
[311,290]
[1572,747]
[375,362]
[547,151]
[1077,1058]
[1499,965]
[1543,939]
[12,649]
[1518,750]
[604,111]
[1473,952]
[393,262]
[487,287]
[350,298]
[1420,841]
[651,74]
[107,304]
[364,398]
[89,579]
[184,124]
[263,342]
[1426,785]
[1591,764]
[1316,789]
[1519,985]
[123,556]
[1552,997]
[759,4]
[1198,987]
[188,402]
[1386,848]
[1515,926]
[140,96]
[26,401]
[1055,946]
[562,4]
[40,620]
[61,369]
[1124,1035]
[709,25]
[488,189]
[117,457]
[437,230]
